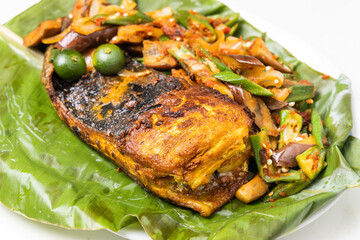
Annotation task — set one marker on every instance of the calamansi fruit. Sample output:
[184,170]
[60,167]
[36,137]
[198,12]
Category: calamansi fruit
[108,59]
[69,65]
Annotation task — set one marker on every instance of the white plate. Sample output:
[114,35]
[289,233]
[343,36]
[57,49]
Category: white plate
[328,44]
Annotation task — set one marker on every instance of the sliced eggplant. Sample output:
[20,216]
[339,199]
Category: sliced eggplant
[257,106]
[81,42]
[246,59]
[273,103]
[286,156]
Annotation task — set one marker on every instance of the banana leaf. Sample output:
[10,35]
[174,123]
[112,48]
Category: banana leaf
[48,174]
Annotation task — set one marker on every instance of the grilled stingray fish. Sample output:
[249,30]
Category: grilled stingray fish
[183,142]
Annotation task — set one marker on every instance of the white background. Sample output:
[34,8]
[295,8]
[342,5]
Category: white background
[323,33]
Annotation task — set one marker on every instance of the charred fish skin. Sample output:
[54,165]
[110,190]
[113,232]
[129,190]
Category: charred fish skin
[169,136]
[88,101]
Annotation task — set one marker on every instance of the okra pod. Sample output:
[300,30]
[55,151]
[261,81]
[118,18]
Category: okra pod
[164,38]
[312,161]
[182,54]
[219,64]
[300,92]
[290,127]
[292,175]
[260,142]
[233,29]
[200,70]
[229,19]
[245,83]
[317,127]
[137,18]
[261,145]
[287,189]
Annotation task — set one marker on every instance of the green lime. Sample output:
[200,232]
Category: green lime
[108,59]
[69,65]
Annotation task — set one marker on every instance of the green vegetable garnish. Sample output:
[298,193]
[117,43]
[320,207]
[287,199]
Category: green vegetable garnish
[164,38]
[301,92]
[199,24]
[260,143]
[285,189]
[312,161]
[317,127]
[245,83]
[290,127]
[137,18]
[229,19]
[219,64]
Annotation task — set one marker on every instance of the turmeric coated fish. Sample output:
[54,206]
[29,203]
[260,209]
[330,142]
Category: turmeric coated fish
[181,141]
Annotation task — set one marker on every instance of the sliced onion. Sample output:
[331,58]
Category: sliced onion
[166,12]
[127,73]
[85,26]
[58,37]
[94,8]
[128,5]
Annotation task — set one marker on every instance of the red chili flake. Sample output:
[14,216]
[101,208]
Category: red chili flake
[99,20]
[215,22]
[227,30]
[324,76]
[78,6]
[305,82]
[271,200]
[277,119]
[283,127]
[282,194]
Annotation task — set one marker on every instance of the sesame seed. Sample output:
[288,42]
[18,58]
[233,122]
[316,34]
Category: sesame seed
[284,169]
[248,44]
[291,104]
[269,162]
[310,101]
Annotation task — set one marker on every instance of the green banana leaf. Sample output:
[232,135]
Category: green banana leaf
[48,174]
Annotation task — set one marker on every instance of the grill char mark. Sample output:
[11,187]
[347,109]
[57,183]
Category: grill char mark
[83,99]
